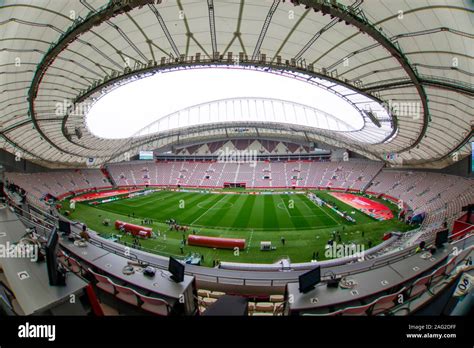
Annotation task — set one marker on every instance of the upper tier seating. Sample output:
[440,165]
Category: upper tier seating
[354,175]
[439,196]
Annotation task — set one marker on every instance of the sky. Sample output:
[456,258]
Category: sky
[129,108]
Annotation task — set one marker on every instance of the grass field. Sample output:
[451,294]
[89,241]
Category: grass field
[229,211]
[305,226]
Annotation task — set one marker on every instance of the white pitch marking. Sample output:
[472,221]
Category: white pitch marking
[279,206]
[157,199]
[337,222]
[250,240]
[285,206]
[207,210]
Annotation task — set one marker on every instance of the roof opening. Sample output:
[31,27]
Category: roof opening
[127,110]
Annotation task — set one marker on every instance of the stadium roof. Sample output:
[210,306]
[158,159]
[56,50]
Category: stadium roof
[415,57]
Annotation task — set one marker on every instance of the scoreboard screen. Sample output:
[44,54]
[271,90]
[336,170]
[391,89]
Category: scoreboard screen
[146,155]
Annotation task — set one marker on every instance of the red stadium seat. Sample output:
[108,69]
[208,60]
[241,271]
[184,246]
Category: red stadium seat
[63,258]
[75,266]
[451,265]
[330,314]
[359,310]
[155,305]
[103,282]
[385,303]
[127,295]
[419,286]
[438,274]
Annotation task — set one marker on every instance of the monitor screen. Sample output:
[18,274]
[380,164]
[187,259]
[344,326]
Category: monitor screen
[65,227]
[308,280]
[176,269]
[51,250]
[441,238]
[146,155]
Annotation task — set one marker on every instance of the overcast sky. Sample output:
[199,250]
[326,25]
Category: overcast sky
[124,111]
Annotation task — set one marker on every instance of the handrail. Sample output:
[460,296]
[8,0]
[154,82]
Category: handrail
[22,214]
[465,230]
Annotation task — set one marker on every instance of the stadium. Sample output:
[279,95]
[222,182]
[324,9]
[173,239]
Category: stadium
[236,157]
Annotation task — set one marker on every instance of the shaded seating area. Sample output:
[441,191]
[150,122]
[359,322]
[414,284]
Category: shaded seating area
[412,296]
[269,305]
[130,301]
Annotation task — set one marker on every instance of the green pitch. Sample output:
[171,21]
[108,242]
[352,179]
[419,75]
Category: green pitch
[229,211]
[305,226]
